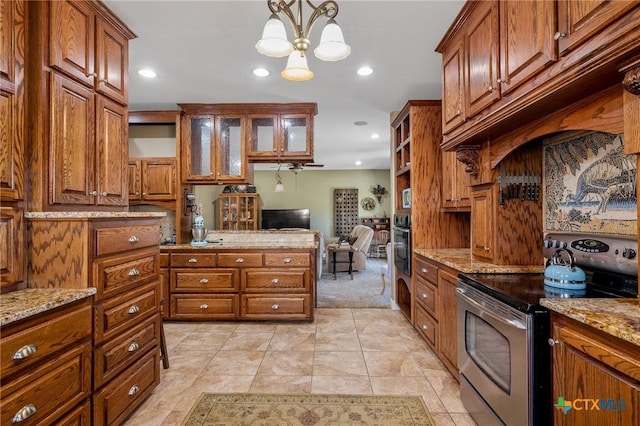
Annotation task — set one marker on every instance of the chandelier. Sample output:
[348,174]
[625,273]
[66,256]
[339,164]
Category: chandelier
[274,41]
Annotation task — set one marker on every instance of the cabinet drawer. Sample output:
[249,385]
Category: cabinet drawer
[290,306]
[287,259]
[427,270]
[205,280]
[125,393]
[118,239]
[115,355]
[193,260]
[51,389]
[123,312]
[38,342]
[117,274]
[427,295]
[237,260]
[164,260]
[223,306]
[427,326]
[276,281]
[79,416]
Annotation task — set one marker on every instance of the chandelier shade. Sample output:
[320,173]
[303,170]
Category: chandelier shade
[274,42]
[297,68]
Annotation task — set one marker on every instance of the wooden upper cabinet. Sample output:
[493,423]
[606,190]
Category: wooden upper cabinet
[134,173]
[482,222]
[152,179]
[453,99]
[231,158]
[89,49]
[111,153]
[11,246]
[482,60]
[455,183]
[527,46]
[578,20]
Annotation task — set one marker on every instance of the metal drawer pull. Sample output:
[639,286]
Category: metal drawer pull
[275,307]
[424,326]
[133,272]
[24,413]
[552,342]
[133,239]
[486,248]
[134,347]
[275,281]
[239,260]
[204,281]
[134,309]
[104,193]
[193,260]
[286,260]
[424,270]
[133,390]
[204,306]
[424,295]
[25,351]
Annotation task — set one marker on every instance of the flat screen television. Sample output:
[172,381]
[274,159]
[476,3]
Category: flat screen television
[286,218]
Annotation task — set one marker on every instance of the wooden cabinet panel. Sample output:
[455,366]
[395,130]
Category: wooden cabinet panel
[134,174]
[455,184]
[116,239]
[193,260]
[482,58]
[7,54]
[447,321]
[427,296]
[427,326]
[238,212]
[12,260]
[40,341]
[482,221]
[121,396]
[245,260]
[205,280]
[111,153]
[159,179]
[453,95]
[72,145]
[203,307]
[79,416]
[526,41]
[427,270]
[266,281]
[117,274]
[52,388]
[275,307]
[588,364]
[111,62]
[286,259]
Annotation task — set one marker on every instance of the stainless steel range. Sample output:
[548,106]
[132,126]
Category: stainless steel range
[503,354]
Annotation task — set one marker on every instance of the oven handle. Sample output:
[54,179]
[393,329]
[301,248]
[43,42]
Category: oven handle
[512,323]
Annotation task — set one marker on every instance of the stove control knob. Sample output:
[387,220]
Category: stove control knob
[547,243]
[562,244]
[628,253]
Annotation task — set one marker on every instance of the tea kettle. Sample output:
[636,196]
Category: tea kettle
[559,274]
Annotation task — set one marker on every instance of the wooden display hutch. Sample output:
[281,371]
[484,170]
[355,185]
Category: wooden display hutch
[238,212]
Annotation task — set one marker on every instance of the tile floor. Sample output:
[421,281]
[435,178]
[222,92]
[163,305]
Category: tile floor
[360,351]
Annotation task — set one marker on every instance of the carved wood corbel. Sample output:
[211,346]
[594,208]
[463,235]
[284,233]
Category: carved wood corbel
[631,81]
[469,155]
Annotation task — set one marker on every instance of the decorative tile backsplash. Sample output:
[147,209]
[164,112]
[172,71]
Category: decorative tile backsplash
[590,185]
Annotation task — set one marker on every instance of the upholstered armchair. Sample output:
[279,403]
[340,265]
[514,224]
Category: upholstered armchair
[360,240]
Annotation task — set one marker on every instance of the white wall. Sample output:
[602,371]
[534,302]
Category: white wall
[312,189]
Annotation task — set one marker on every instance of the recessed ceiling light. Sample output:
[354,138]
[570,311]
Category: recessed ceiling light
[375,136]
[147,72]
[360,123]
[261,72]
[358,163]
[364,71]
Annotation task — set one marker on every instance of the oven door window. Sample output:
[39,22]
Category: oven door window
[489,349]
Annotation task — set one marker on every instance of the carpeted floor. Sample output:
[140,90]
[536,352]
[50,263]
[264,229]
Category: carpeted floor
[362,292]
[307,410]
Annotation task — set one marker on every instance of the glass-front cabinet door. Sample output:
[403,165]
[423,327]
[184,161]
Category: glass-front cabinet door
[263,136]
[231,159]
[286,137]
[238,212]
[296,136]
[199,152]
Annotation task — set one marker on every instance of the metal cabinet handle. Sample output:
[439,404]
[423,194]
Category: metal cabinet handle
[275,307]
[133,272]
[424,295]
[204,281]
[204,306]
[133,390]
[134,309]
[424,326]
[552,342]
[490,89]
[424,270]
[25,351]
[458,112]
[193,260]
[239,260]
[104,193]
[134,347]
[94,193]
[275,281]
[286,260]
[486,248]
[24,413]
[133,239]
[559,35]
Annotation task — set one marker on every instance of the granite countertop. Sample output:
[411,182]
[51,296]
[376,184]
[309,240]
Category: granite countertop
[239,245]
[261,239]
[461,260]
[21,304]
[617,317]
[91,215]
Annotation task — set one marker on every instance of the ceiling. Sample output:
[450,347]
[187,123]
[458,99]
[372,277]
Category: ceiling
[203,52]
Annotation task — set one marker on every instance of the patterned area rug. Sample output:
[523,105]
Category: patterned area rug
[361,292]
[307,409]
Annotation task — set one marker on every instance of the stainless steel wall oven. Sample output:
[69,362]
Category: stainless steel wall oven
[402,243]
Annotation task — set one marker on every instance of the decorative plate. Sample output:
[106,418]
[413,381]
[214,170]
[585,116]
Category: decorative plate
[368,203]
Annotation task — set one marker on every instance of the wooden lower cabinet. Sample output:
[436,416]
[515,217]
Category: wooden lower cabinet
[591,365]
[53,379]
[217,284]
[435,309]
